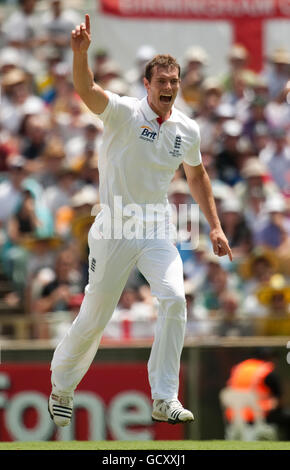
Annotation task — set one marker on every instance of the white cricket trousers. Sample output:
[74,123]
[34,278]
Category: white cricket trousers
[110,263]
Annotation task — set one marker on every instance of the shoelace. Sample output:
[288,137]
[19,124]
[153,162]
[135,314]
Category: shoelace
[174,405]
[62,400]
[175,408]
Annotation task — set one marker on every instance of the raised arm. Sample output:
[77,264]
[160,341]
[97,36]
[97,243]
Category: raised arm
[92,94]
[200,188]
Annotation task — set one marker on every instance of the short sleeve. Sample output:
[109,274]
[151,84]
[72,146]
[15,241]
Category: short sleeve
[118,110]
[193,155]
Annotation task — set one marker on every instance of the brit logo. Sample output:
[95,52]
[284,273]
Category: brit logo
[177,146]
[147,134]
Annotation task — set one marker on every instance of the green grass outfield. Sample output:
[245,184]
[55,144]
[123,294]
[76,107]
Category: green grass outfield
[145,445]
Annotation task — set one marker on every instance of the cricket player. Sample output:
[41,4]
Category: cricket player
[144,142]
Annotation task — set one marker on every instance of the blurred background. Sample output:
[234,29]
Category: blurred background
[235,60]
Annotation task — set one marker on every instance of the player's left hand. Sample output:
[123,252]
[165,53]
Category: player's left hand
[220,243]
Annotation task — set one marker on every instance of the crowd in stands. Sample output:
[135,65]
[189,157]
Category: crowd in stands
[49,144]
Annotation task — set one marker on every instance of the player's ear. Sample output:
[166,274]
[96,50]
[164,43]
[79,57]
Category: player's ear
[146,83]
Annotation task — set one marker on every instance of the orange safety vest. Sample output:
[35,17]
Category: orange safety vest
[250,375]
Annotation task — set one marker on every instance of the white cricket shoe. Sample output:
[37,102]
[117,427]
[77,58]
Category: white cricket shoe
[60,408]
[170,411]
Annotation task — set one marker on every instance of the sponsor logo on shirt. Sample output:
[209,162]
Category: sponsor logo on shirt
[177,145]
[147,134]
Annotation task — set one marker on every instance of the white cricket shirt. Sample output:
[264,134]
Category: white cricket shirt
[138,157]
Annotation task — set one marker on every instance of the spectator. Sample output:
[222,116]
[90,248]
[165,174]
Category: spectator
[42,251]
[229,157]
[278,110]
[9,146]
[70,122]
[99,58]
[274,232]
[11,187]
[57,23]
[24,222]
[278,72]
[257,115]
[284,250]
[64,91]
[254,188]
[260,87]
[193,76]
[276,157]
[238,61]
[238,96]
[230,321]
[36,133]
[10,58]
[133,318]
[216,281]
[30,219]
[89,171]
[221,192]
[221,189]
[198,323]
[194,266]
[52,162]
[119,86]
[44,79]
[224,112]
[83,147]
[17,100]
[23,32]
[55,197]
[178,194]
[108,71]
[206,113]
[235,228]
[256,270]
[134,77]
[261,138]
[58,294]
[275,296]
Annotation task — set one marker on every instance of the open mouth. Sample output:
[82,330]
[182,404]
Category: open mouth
[165,98]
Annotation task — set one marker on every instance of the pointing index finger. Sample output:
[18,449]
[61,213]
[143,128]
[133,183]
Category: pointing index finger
[88,24]
[230,255]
